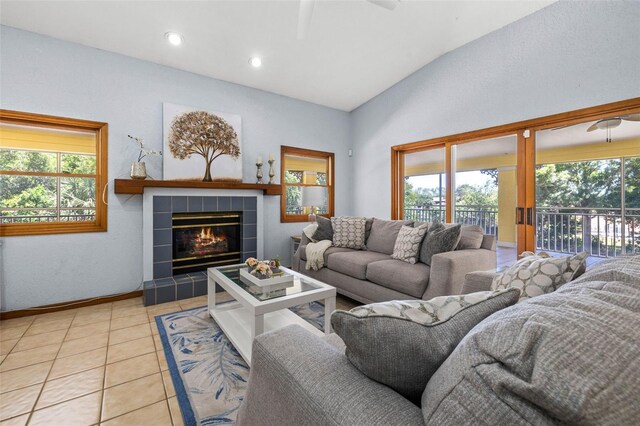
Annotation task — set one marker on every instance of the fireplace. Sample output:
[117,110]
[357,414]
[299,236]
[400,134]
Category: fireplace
[204,240]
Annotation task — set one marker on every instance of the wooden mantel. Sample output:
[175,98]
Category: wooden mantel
[137,186]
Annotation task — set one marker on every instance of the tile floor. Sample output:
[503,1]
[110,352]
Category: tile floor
[100,364]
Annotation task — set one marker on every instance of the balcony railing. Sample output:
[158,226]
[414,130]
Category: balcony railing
[599,232]
[486,217]
[35,215]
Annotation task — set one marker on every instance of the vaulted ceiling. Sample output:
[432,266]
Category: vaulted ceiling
[353,50]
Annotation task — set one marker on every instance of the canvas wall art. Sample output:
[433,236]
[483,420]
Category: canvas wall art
[201,145]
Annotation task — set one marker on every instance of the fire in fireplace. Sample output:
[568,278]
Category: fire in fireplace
[203,240]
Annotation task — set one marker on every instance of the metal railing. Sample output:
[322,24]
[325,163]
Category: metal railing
[35,215]
[599,232]
[486,217]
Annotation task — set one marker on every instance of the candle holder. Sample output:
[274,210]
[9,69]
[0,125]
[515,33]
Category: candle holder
[259,173]
[271,172]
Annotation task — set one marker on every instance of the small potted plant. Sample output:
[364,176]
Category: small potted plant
[139,168]
[274,264]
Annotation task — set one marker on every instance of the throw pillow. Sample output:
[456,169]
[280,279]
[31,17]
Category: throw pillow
[439,239]
[402,343]
[471,237]
[536,275]
[384,234]
[324,230]
[310,230]
[407,247]
[348,232]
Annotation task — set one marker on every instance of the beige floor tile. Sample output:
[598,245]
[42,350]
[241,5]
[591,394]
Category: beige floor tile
[168,384]
[191,305]
[83,344]
[125,311]
[89,317]
[154,327]
[81,411]
[162,360]
[7,345]
[95,308]
[163,308]
[130,349]
[129,302]
[13,332]
[157,341]
[20,401]
[176,414]
[156,414]
[49,326]
[53,316]
[128,321]
[16,322]
[29,357]
[76,332]
[130,333]
[132,395]
[30,342]
[25,376]
[2,357]
[77,363]
[16,421]
[70,387]
[131,369]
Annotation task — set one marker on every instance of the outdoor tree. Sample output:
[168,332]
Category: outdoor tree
[205,134]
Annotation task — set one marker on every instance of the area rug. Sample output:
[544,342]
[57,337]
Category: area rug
[208,374]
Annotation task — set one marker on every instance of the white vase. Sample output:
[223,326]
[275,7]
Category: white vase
[138,170]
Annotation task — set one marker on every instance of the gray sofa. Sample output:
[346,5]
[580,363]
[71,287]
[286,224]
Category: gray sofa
[373,276]
[569,357]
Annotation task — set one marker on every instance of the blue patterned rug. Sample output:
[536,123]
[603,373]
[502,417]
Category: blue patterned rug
[208,373]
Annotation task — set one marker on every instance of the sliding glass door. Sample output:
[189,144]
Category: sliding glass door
[588,188]
[485,190]
[424,185]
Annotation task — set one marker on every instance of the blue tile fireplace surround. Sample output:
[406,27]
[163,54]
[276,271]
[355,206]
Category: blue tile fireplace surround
[166,287]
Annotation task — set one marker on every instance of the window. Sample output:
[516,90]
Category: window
[307,184]
[53,171]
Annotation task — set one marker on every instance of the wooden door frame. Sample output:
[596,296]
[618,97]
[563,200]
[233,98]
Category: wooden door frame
[525,156]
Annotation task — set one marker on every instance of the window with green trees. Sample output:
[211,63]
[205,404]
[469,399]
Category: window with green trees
[51,175]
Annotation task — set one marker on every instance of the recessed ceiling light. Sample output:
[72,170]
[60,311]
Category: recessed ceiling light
[173,38]
[255,62]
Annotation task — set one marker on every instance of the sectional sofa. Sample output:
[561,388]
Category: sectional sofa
[371,275]
[568,357]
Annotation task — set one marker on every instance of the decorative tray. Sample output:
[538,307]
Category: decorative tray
[284,278]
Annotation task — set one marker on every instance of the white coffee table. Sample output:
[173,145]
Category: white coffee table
[257,310]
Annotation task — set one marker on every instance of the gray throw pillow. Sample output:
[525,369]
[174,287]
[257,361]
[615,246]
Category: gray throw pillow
[439,239]
[407,247]
[384,233]
[402,343]
[349,232]
[536,275]
[471,237]
[325,230]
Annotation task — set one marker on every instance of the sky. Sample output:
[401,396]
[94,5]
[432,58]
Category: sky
[431,181]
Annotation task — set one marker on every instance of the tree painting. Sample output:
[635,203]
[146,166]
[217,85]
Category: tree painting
[205,134]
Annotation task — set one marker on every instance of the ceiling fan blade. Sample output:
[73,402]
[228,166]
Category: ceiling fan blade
[305,13]
[387,4]
[593,127]
[631,117]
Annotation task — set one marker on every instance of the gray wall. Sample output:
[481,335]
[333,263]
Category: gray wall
[43,75]
[567,56]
